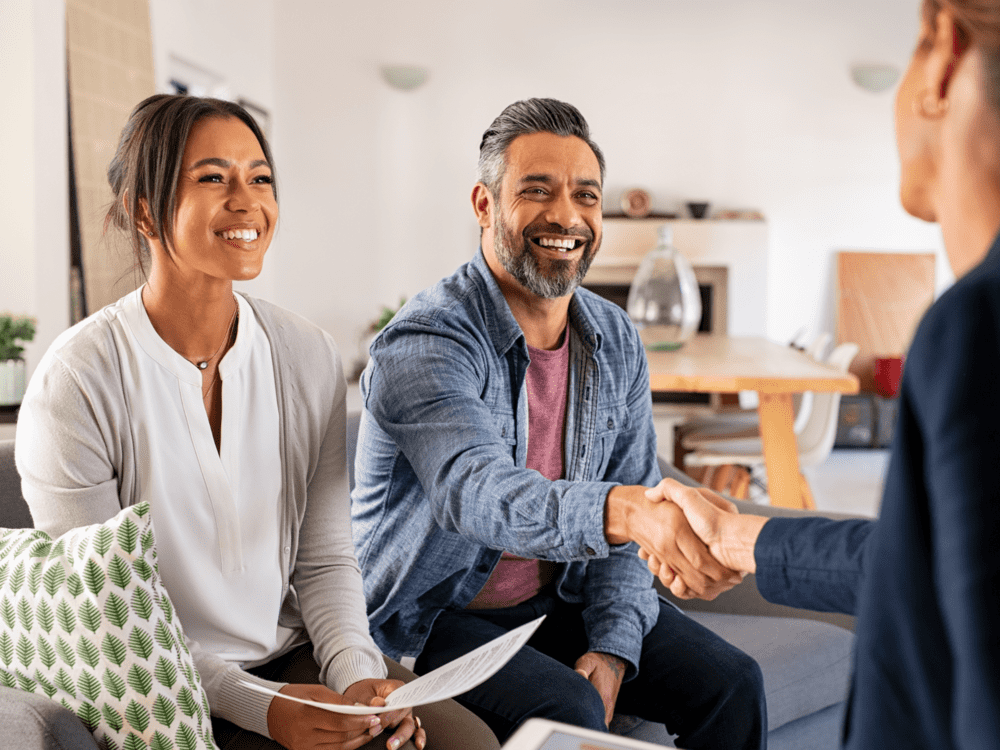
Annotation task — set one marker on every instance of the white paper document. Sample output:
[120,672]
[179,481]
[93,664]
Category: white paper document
[447,681]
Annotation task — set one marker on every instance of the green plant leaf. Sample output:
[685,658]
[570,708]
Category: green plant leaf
[81,548]
[4,568]
[164,636]
[93,576]
[165,672]
[142,605]
[7,613]
[137,716]
[128,535]
[118,572]
[89,715]
[116,610]
[46,654]
[25,651]
[103,539]
[88,685]
[111,744]
[164,710]
[90,616]
[160,741]
[147,540]
[65,682]
[35,578]
[7,679]
[134,742]
[186,738]
[168,609]
[44,616]
[139,679]
[65,616]
[58,549]
[24,682]
[114,683]
[140,642]
[6,648]
[17,578]
[73,584]
[40,548]
[142,569]
[113,649]
[54,578]
[65,652]
[186,702]
[47,687]
[111,717]
[25,614]
[88,652]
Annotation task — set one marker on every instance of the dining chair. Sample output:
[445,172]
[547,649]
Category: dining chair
[814,440]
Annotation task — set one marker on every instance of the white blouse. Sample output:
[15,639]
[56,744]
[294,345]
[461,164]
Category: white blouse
[216,513]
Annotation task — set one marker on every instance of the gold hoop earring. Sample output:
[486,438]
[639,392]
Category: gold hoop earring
[930,105]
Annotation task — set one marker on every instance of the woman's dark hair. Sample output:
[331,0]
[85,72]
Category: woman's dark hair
[147,163]
[978,23]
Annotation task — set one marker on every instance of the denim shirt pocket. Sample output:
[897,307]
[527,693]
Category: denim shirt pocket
[611,422]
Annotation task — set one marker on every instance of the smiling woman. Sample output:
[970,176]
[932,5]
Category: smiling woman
[227,415]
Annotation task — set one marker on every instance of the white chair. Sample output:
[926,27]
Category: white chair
[815,439]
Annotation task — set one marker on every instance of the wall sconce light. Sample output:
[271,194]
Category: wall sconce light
[874,77]
[404,77]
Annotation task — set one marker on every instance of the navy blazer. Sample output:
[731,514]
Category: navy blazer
[924,579]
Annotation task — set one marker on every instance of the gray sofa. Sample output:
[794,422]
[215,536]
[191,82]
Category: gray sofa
[805,658]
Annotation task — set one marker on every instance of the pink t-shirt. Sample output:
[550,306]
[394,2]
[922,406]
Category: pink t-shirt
[517,579]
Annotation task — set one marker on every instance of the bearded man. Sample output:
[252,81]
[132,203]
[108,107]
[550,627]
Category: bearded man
[504,448]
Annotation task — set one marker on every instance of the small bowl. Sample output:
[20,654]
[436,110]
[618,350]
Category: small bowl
[698,209]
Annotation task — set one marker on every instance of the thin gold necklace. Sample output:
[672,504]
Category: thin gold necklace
[232,331]
[201,363]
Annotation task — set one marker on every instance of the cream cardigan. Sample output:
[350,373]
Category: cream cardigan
[76,453]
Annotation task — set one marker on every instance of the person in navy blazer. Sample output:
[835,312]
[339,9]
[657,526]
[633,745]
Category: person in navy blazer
[924,579]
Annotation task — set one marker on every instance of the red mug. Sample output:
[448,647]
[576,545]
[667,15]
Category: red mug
[888,372]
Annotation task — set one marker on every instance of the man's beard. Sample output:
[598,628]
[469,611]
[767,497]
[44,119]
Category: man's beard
[548,279]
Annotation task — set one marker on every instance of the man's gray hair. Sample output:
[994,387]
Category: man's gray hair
[522,118]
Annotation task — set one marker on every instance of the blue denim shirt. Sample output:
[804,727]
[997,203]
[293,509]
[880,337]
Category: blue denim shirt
[441,485]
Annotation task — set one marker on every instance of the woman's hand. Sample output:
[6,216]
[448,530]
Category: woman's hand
[373,693]
[300,727]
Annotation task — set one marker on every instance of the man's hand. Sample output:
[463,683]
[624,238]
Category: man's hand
[373,693]
[605,673]
[729,536]
[661,529]
[300,727]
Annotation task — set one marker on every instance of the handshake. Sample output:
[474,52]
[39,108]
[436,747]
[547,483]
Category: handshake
[693,540]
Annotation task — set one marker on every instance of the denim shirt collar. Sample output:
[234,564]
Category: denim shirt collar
[504,330]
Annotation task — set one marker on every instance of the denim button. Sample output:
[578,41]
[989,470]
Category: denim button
[611,423]
[590,551]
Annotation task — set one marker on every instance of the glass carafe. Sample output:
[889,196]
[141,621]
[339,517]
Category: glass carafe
[664,302]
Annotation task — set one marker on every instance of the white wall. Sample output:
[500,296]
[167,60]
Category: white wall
[234,41]
[747,103]
[34,197]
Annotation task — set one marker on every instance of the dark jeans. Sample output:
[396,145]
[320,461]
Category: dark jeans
[448,725]
[704,690]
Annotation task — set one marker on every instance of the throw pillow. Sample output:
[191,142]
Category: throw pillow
[86,620]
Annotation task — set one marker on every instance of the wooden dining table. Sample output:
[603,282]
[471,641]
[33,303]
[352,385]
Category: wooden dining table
[729,364]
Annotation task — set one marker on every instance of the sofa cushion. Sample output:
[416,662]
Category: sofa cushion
[806,664]
[86,621]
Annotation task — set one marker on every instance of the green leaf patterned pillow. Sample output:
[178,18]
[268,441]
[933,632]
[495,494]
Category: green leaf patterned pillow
[85,620]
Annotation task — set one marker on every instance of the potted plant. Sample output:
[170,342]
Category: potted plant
[370,332]
[13,373]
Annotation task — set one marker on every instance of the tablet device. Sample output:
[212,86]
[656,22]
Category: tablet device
[542,734]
